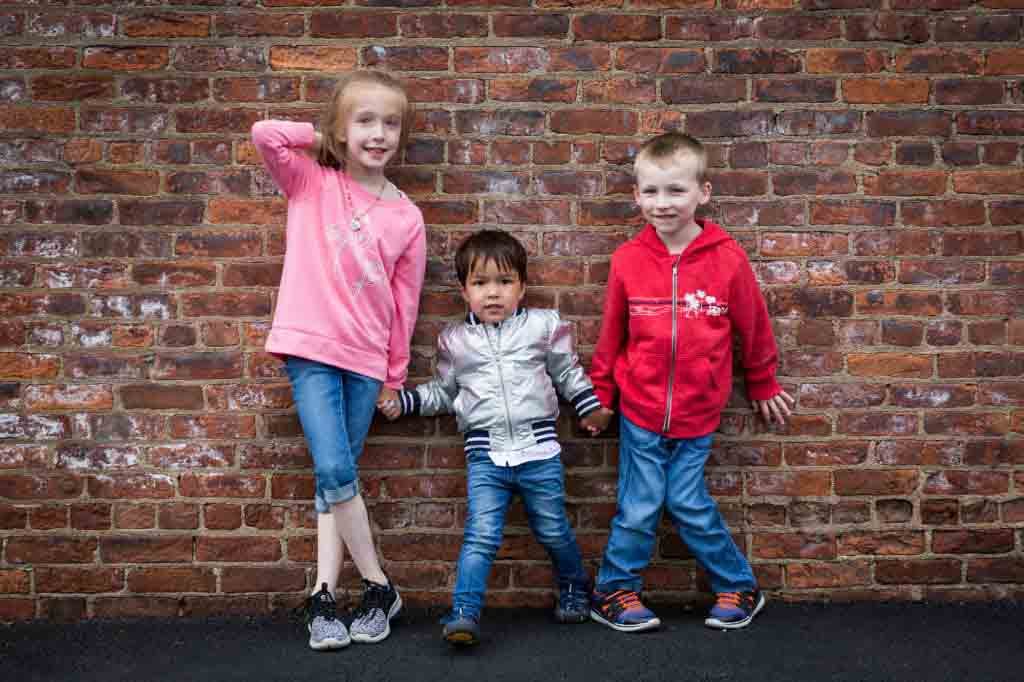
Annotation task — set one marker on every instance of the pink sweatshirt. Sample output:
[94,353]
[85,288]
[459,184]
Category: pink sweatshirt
[348,298]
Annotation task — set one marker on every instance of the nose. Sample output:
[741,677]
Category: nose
[377,130]
[660,200]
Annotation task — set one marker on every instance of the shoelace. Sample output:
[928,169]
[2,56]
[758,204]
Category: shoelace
[374,597]
[323,604]
[728,599]
[625,599]
[574,599]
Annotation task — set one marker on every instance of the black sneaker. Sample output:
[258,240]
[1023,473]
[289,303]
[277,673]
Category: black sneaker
[372,620]
[573,604]
[325,630]
[460,628]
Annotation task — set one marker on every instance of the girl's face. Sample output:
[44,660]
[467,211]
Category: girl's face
[372,128]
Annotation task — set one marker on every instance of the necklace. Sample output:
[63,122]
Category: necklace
[356,222]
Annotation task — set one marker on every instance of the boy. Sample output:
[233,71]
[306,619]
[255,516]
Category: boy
[676,293]
[497,371]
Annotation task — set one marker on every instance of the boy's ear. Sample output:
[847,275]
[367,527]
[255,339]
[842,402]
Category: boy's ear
[706,192]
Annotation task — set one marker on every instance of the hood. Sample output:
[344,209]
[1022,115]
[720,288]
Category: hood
[710,236]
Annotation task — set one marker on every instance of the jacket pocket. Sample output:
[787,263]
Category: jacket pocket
[648,378]
[696,389]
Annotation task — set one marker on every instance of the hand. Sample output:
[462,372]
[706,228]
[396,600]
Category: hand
[389,404]
[776,408]
[597,421]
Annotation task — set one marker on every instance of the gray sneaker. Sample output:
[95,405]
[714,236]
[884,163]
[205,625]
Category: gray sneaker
[325,630]
[372,620]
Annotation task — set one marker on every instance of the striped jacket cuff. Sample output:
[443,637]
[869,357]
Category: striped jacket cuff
[410,401]
[585,402]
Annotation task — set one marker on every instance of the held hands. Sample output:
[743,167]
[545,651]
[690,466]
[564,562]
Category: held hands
[776,408]
[388,403]
[597,421]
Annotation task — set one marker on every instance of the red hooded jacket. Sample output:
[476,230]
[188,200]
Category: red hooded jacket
[665,349]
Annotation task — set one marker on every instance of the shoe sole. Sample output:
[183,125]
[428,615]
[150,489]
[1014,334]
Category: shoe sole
[651,624]
[329,644]
[736,625]
[565,619]
[462,638]
[368,639]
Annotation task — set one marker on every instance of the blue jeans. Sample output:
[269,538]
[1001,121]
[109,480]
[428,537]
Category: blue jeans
[654,472]
[542,486]
[336,407]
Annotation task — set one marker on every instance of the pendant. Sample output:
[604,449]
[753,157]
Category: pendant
[356,225]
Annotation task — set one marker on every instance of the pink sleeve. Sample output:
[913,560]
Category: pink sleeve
[406,285]
[279,143]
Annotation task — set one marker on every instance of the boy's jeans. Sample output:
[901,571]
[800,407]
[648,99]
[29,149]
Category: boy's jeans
[491,489]
[656,471]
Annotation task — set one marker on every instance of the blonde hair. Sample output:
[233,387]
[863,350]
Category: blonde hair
[340,105]
[666,146]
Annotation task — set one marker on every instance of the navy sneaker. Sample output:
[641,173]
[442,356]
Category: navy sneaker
[573,604]
[734,610]
[622,610]
[461,628]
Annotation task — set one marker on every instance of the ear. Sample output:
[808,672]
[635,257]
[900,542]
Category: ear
[705,192]
[465,296]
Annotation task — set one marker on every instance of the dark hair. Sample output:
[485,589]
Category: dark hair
[668,145]
[490,245]
[340,105]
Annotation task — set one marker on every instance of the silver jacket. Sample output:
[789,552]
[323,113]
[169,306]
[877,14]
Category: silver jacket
[500,379]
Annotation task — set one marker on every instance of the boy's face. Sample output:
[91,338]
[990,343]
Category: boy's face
[493,294]
[668,193]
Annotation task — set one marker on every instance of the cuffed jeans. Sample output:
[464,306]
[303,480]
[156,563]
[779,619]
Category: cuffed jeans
[491,488]
[335,407]
[655,471]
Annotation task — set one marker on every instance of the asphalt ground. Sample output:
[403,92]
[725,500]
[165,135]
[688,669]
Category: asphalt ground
[807,642]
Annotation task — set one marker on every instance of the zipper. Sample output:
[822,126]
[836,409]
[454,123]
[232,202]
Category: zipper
[672,361]
[501,378]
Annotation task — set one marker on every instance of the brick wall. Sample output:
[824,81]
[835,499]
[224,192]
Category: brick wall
[867,153]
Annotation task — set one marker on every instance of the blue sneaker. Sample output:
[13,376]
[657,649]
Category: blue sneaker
[573,604]
[735,610]
[461,628]
[622,610]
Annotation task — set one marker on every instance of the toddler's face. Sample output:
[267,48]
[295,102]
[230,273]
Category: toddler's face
[373,128]
[668,193]
[492,293]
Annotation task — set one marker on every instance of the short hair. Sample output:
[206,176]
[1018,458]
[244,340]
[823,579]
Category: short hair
[666,146]
[490,245]
[339,107]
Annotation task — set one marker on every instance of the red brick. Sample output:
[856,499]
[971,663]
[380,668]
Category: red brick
[443,25]
[907,543]
[886,91]
[1004,62]
[166,25]
[793,546]
[956,482]
[532,89]
[238,549]
[825,575]
[51,549]
[924,571]
[616,28]
[172,579]
[126,58]
[828,60]
[939,60]
[78,580]
[313,58]
[250,25]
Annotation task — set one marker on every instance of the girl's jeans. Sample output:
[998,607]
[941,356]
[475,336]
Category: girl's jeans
[541,484]
[335,407]
[655,471]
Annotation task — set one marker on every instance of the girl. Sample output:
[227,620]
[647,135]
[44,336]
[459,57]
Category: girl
[345,312]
